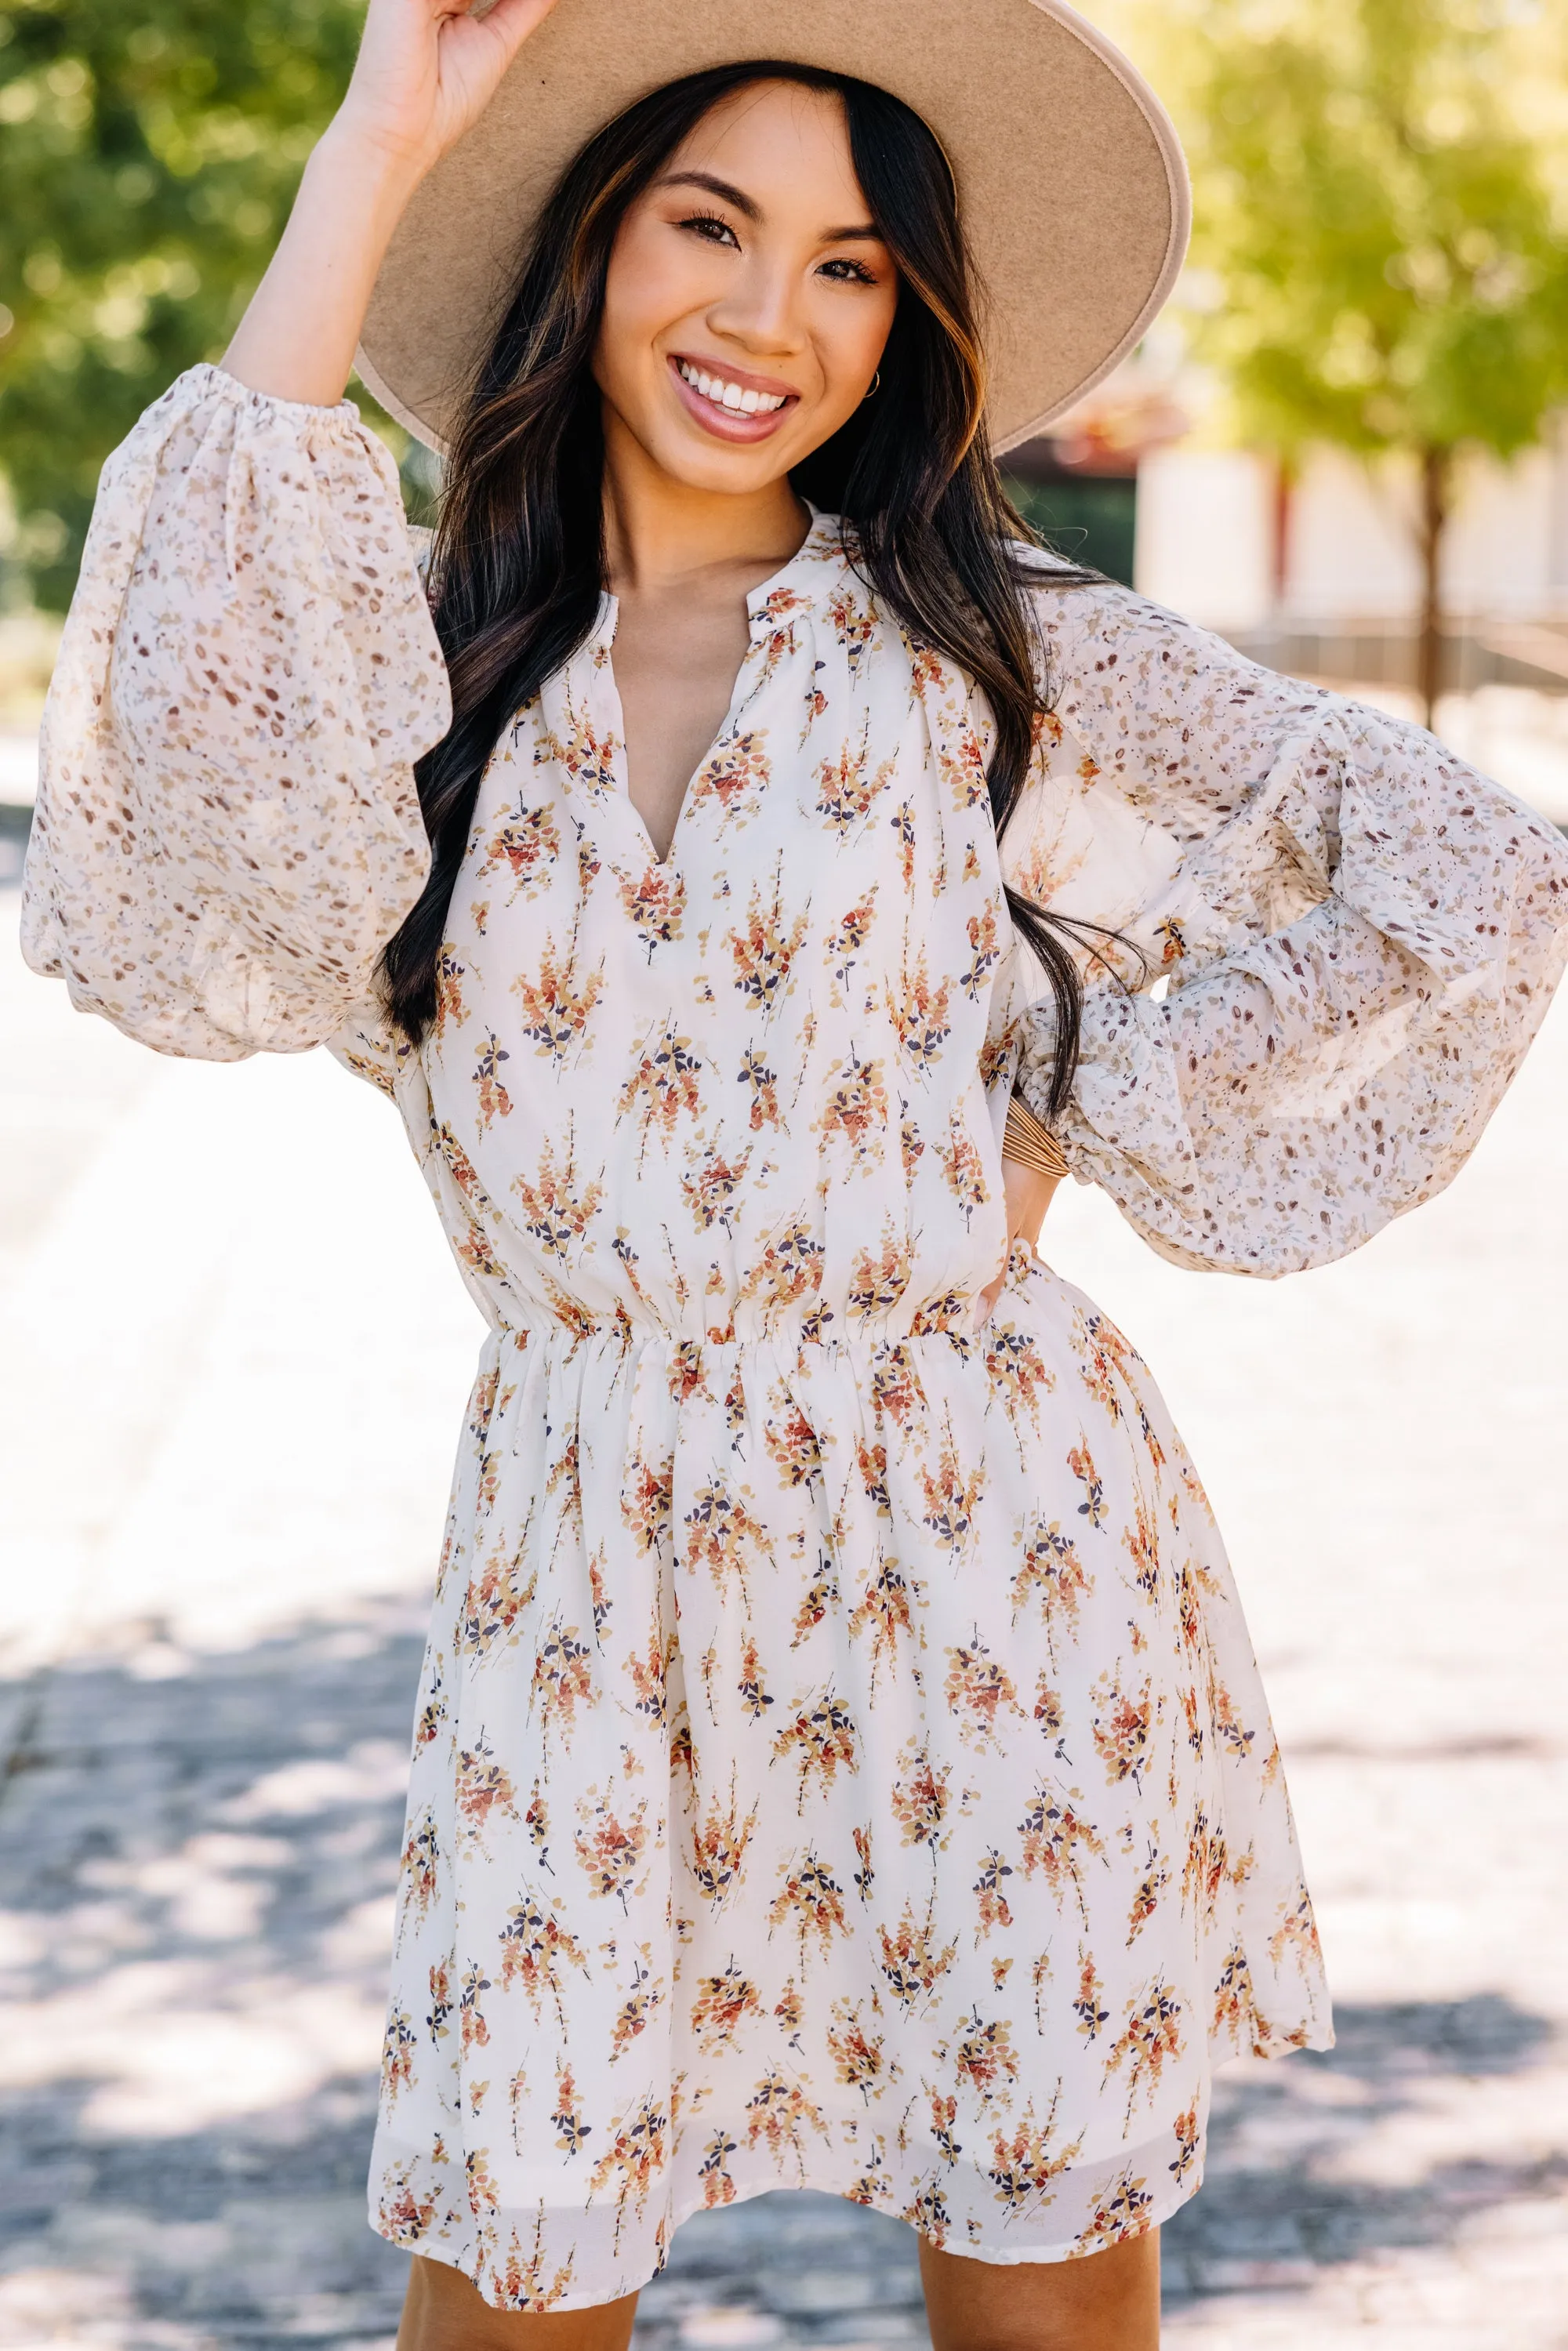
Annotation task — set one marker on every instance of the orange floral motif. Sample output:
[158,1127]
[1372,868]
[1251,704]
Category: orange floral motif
[473,1250]
[496,1600]
[984,954]
[555,1011]
[535,1948]
[666,1080]
[1146,1895]
[558,1209]
[526,841]
[913,1959]
[878,1279]
[1088,2007]
[718,1849]
[882,1611]
[1055,1837]
[855,1108]
[610,1848]
[763,1084]
[849,935]
[421,1864]
[647,1676]
[724,2004]
[638,2152]
[965,1169]
[1016,1370]
[656,905]
[397,2054]
[1024,2164]
[985,2059]
[718,2185]
[646,1502]
[810,1900]
[1082,1465]
[978,1688]
[896,1392]
[484,1786]
[952,1497]
[1051,1567]
[403,2214]
[991,1902]
[1142,1543]
[779,2110]
[819,1738]
[763,952]
[920,1016]
[1121,2212]
[720,1532]
[710,1190]
[563,1680]
[858,2053]
[450,974]
[847,791]
[791,1442]
[1151,2037]
[644,1997]
[1121,1729]
[521,2283]
[732,780]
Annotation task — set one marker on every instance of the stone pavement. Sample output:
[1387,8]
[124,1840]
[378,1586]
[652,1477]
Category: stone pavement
[232,1361]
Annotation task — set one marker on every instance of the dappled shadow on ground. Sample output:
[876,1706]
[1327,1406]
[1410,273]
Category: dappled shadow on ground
[198,1854]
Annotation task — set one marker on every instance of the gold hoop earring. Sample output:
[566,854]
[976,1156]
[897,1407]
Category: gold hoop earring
[875,388]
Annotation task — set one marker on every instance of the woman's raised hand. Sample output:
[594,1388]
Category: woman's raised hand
[426,71]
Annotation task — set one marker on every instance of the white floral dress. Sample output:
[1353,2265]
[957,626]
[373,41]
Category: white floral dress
[839,1759]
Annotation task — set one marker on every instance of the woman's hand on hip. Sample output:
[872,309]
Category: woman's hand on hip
[1025,1195]
[426,71]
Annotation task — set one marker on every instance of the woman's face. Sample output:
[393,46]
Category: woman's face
[749,298]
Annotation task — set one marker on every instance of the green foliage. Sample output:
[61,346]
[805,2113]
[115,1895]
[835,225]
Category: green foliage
[1388,271]
[149,153]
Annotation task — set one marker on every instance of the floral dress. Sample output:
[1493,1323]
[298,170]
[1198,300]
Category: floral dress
[839,1759]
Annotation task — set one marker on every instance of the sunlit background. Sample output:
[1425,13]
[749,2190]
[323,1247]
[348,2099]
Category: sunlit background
[232,1353]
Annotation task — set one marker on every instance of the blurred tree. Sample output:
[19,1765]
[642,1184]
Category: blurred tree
[1390,274]
[148,156]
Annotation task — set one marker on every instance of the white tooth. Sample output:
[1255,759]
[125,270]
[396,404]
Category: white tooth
[752,402]
[703,383]
[732,395]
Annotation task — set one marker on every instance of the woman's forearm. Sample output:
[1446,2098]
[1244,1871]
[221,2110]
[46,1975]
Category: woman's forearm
[426,72]
[298,336]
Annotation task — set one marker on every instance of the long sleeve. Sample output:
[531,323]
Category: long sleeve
[227,830]
[1339,942]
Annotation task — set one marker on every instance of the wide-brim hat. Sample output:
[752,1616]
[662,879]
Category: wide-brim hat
[1070,175]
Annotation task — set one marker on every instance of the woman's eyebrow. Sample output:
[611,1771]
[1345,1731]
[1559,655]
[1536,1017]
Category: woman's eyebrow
[715,187]
[863,233]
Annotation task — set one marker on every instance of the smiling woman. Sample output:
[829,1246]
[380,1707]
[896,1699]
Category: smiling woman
[746,863]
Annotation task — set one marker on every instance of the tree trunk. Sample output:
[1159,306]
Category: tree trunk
[1437,466]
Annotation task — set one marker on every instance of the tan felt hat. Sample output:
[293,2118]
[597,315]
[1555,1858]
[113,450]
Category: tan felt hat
[1070,174]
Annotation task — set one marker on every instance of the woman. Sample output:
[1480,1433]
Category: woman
[839,1759]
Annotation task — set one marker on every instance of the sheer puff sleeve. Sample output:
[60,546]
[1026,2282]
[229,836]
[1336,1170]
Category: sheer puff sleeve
[227,830]
[1339,941]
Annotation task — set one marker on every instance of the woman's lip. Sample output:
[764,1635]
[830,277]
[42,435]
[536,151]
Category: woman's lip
[728,423]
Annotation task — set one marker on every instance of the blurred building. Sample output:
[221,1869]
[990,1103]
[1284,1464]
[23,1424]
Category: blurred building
[1319,575]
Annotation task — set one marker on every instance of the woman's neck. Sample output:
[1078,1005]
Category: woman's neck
[659,532]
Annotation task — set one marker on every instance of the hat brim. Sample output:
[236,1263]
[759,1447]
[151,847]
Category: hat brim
[1071,180]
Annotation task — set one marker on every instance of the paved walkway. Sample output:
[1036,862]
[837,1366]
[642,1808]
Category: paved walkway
[232,1359]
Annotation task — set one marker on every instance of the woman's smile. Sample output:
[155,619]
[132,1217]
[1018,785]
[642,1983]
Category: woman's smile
[730,402]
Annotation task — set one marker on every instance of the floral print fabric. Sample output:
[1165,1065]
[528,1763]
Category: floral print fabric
[839,1759]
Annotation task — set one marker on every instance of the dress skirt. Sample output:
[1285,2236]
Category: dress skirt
[838,1766]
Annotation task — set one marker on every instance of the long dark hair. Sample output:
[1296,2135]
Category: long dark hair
[519,560]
